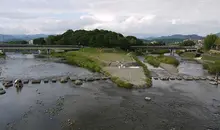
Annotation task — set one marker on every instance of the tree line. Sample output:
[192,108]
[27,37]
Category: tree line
[94,38]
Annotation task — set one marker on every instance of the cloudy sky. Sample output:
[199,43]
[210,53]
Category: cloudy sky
[130,17]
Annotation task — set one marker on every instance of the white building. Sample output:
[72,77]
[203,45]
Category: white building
[31,42]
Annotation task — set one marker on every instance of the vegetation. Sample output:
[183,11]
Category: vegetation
[189,55]
[188,43]
[146,71]
[210,58]
[168,60]
[213,68]
[95,38]
[217,44]
[209,41]
[152,60]
[160,51]
[17,42]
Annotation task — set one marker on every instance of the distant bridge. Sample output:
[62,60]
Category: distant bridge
[166,47]
[38,47]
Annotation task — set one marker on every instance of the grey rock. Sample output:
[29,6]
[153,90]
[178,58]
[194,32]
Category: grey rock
[36,81]
[25,81]
[2,91]
[63,80]
[147,98]
[90,79]
[8,84]
[46,81]
[54,80]
[78,82]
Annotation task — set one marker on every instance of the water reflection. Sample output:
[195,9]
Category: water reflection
[19,89]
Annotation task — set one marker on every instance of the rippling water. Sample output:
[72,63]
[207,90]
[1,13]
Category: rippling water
[27,66]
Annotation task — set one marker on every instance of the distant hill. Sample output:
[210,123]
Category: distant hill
[6,38]
[218,34]
[175,38]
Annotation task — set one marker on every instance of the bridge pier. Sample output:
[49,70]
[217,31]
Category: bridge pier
[171,52]
[48,51]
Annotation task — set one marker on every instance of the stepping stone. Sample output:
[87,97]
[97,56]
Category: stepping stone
[214,83]
[36,81]
[8,84]
[54,80]
[5,82]
[73,78]
[78,82]
[147,98]
[155,78]
[25,81]
[172,78]
[196,78]
[105,78]
[2,91]
[46,81]
[90,79]
[97,78]
[202,78]
[63,80]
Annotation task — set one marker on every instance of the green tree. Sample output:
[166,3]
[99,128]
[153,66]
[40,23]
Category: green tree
[188,43]
[209,41]
[217,44]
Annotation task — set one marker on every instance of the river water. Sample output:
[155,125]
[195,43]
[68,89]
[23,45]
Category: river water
[101,105]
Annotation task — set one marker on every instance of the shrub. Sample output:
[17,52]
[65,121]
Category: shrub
[160,51]
[168,60]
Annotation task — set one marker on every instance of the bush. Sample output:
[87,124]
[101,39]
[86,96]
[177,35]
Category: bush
[168,60]
[160,51]
[152,60]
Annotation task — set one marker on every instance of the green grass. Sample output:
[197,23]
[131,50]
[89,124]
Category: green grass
[210,58]
[168,60]
[160,51]
[152,60]
[212,67]
[106,55]
[189,55]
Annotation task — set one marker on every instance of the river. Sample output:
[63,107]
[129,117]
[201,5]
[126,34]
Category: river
[101,105]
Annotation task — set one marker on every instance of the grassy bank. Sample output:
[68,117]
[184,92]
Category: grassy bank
[156,60]
[152,60]
[146,71]
[96,59]
[189,55]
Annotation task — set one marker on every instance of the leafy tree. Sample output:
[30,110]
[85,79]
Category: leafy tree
[217,44]
[94,38]
[209,41]
[188,43]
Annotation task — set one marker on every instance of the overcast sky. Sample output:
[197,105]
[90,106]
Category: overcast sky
[136,17]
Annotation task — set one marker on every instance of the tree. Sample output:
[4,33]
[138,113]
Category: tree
[209,41]
[217,44]
[188,43]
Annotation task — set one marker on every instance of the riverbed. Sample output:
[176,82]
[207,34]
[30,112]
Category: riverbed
[101,105]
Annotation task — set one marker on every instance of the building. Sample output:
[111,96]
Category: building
[31,42]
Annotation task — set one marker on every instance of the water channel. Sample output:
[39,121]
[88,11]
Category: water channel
[179,105]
